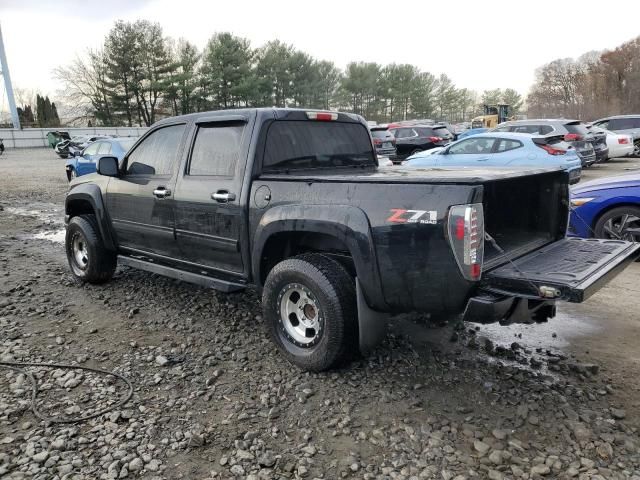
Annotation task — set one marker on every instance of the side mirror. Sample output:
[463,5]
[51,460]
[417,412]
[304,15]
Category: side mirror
[108,166]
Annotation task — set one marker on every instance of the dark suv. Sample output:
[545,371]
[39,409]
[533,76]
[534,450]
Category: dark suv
[384,141]
[591,148]
[415,138]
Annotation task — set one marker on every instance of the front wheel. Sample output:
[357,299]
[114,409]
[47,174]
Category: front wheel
[88,258]
[71,174]
[309,305]
[622,223]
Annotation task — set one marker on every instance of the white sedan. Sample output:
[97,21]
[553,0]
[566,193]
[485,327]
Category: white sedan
[620,145]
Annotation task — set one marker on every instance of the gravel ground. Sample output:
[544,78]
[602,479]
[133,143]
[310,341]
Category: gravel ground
[213,399]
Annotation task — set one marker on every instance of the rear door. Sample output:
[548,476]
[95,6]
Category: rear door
[210,219]
[571,269]
[140,201]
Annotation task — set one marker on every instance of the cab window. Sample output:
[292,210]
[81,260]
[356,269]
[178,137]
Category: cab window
[156,154]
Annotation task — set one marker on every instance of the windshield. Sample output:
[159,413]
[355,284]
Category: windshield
[295,145]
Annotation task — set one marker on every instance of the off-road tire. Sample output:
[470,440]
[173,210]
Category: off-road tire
[101,263]
[334,291]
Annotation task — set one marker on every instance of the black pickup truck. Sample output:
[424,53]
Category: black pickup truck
[292,202]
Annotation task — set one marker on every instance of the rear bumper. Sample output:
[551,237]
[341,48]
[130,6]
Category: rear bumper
[602,154]
[587,160]
[574,175]
[491,308]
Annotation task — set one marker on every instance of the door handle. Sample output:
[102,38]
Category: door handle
[162,192]
[222,196]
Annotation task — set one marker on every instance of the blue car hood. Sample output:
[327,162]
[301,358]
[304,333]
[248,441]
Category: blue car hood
[622,181]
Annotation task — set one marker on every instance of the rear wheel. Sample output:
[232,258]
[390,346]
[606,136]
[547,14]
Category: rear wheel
[622,223]
[310,311]
[636,148]
[88,258]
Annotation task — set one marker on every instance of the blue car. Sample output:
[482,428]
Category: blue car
[607,208]
[85,161]
[472,131]
[498,149]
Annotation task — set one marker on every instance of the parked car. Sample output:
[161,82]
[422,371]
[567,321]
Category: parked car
[504,150]
[625,124]
[607,208]
[619,144]
[590,147]
[292,203]
[66,148]
[413,139]
[84,162]
[56,136]
[471,131]
[384,141]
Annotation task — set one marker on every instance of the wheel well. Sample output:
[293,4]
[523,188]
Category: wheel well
[79,207]
[609,208]
[283,245]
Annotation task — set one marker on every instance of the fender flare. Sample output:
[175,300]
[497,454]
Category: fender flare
[347,223]
[91,193]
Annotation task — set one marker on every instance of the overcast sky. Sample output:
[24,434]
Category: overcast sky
[479,44]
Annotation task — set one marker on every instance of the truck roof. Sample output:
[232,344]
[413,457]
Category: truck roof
[274,112]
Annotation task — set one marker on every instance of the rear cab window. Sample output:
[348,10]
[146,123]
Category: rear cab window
[298,145]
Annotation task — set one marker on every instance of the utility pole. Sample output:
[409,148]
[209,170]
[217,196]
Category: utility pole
[4,70]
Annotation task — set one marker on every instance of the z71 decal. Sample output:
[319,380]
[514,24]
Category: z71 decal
[400,215]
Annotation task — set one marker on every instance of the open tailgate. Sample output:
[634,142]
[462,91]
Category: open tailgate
[571,269]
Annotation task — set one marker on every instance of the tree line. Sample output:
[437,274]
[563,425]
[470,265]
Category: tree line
[45,113]
[595,85]
[141,75]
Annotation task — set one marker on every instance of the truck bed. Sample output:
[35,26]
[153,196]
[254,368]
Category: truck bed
[460,175]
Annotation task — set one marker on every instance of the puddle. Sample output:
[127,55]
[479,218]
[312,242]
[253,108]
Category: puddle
[56,236]
[557,333]
[50,215]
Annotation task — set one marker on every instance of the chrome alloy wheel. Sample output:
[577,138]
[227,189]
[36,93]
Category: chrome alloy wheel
[300,315]
[80,251]
[624,227]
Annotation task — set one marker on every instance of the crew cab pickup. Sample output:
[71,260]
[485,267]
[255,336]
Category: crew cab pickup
[292,203]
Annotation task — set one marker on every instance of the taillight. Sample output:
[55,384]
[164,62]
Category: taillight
[572,136]
[377,141]
[322,116]
[466,235]
[623,140]
[553,151]
[435,139]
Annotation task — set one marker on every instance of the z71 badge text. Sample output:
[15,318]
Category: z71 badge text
[400,215]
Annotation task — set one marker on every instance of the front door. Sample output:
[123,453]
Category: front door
[140,201]
[210,220]
[468,152]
